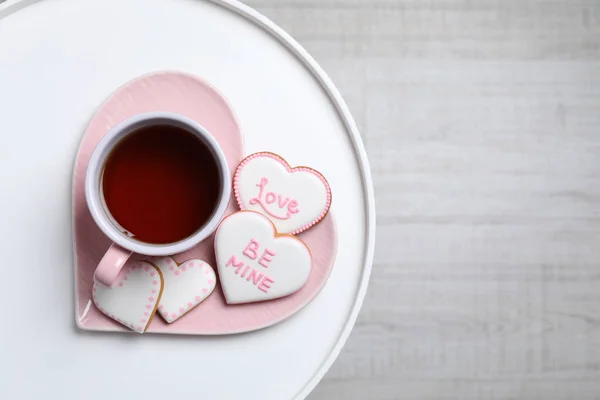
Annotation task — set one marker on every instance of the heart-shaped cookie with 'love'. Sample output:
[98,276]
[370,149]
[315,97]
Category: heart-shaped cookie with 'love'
[295,198]
[132,301]
[255,262]
[186,286]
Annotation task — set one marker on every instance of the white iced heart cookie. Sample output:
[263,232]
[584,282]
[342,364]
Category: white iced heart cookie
[186,286]
[293,198]
[256,263]
[134,299]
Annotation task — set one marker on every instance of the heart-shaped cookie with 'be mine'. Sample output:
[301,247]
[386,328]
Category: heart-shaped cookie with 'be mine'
[256,263]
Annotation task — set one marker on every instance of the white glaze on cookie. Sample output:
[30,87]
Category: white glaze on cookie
[255,263]
[186,286]
[293,198]
[132,301]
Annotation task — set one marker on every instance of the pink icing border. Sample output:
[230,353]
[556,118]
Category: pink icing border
[289,169]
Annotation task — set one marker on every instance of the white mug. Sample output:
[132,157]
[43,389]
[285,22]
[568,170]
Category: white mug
[123,246]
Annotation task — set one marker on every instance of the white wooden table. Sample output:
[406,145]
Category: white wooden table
[482,122]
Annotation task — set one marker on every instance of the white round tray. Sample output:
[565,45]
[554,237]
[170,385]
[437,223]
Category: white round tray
[58,60]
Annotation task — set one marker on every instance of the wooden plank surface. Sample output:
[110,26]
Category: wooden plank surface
[482,123]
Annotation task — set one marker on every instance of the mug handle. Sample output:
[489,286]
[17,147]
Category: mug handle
[109,267]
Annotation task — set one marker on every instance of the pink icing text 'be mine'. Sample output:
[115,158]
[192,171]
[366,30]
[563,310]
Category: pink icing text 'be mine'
[253,275]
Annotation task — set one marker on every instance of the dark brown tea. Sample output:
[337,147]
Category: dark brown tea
[161,183]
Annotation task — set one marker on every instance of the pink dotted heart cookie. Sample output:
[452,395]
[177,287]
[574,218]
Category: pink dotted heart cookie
[294,199]
[186,286]
[133,301]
